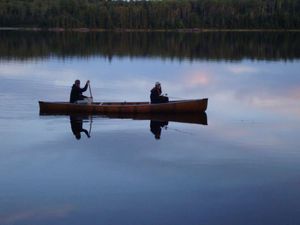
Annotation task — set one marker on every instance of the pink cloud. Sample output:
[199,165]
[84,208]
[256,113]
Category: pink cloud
[295,93]
[34,214]
[198,79]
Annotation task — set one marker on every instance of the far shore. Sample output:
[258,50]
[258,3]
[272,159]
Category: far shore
[187,30]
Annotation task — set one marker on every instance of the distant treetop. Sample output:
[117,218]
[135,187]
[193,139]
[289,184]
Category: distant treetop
[152,14]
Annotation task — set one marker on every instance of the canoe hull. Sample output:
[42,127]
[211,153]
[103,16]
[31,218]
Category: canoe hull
[185,106]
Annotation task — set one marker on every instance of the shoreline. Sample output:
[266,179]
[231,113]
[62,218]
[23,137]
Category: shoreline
[189,30]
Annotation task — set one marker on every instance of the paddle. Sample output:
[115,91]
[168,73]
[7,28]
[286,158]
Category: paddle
[91,121]
[90,90]
[91,117]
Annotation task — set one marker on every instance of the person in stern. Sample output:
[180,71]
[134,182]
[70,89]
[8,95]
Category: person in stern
[156,96]
[76,92]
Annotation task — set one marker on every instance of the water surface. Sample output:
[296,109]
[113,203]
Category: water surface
[241,168]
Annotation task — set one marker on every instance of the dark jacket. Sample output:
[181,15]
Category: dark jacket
[156,96]
[76,93]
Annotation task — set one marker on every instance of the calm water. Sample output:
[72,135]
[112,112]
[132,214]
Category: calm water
[241,168]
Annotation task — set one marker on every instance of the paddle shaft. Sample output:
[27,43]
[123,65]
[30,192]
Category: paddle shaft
[91,121]
[90,90]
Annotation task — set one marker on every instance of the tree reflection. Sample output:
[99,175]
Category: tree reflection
[24,45]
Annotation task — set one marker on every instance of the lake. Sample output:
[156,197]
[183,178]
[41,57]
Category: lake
[243,167]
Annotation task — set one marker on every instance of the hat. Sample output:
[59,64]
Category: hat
[157,83]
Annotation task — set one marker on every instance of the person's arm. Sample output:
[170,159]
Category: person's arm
[159,91]
[85,87]
[86,132]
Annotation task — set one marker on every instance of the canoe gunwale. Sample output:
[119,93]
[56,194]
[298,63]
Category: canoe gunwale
[124,103]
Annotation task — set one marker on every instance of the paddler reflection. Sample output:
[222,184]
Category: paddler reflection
[155,127]
[157,121]
[77,127]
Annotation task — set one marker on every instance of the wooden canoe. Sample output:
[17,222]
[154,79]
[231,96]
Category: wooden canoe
[183,106]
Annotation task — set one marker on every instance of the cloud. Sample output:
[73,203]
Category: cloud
[31,71]
[241,69]
[294,93]
[34,214]
[15,69]
[198,78]
[277,104]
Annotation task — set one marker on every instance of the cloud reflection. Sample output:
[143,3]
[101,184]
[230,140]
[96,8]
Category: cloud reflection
[199,79]
[36,214]
[264,85]
[241,69]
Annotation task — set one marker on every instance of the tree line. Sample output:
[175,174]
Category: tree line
[155,14]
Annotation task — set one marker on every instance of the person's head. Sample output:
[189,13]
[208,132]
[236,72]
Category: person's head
[78,136]
[77,83]
[157,85]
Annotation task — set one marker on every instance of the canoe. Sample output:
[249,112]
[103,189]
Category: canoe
[66,108]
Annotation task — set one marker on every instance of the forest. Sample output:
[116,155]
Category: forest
[153,15]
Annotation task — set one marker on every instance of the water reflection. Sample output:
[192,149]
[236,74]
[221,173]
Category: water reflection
[245,161]
[23,45]
[155,127]
[77,126]
[195,118]
[82,124]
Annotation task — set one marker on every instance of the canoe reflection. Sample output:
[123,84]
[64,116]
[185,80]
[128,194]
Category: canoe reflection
[196,118]
[77,126]
[157,121]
